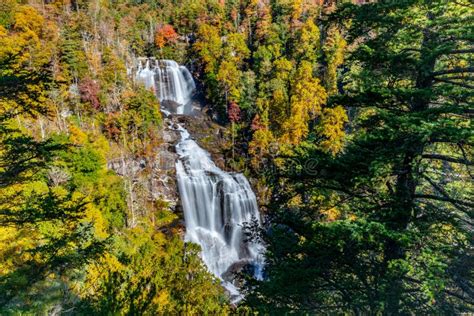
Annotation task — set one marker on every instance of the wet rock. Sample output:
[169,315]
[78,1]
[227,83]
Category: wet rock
[233,269]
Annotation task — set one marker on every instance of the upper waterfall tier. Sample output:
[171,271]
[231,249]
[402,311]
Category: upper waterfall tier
[170,81]
[217,205]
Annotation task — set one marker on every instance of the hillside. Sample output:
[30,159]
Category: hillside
[236,157]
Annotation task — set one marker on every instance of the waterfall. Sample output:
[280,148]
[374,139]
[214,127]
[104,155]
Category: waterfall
[216,206]
[171,82]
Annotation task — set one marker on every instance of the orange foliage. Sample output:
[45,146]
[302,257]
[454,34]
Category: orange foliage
[164,35]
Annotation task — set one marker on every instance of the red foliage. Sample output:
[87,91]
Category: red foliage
[234,14]
[111,126]
[89,92]
[256,124]
[233,112]
[164,35]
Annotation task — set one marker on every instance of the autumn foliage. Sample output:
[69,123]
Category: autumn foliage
[233,112]
[164,35]
[89,92]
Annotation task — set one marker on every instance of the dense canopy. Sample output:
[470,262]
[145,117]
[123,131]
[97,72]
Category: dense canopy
[352,120]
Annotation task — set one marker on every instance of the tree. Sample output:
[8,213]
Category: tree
[152,274]
[7,9]
[164,35]
[333,48]
[307,45]
[236,48]
[228,77]
[45,228]
[262,140]
[89,92]
[399,240]
[331,128]
[279,86]
[208,46]
[307,98]
[233,113]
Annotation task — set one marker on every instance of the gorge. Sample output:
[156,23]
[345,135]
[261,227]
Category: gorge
[217,205]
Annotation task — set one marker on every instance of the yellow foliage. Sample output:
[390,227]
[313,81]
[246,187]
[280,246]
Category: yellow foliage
[334,50]
[99,143]
[261,143]
[307,98]
[331,128]
[93,215]
[77,136]
[295,201]
[162,300]
[104,266]
[352,217]
[28,46]
[28,19]
[208,46]
[237,47]
[228,76]
[331,214]
[309,39]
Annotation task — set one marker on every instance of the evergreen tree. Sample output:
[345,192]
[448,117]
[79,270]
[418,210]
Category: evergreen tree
[384,227]
[44,226]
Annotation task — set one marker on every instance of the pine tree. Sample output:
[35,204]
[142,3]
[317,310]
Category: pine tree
[45,233]
[399,240]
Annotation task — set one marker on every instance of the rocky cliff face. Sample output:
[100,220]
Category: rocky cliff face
[209,135]
[152,180]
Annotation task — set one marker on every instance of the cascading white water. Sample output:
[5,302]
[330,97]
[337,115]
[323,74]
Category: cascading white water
[169,81]
[216,206]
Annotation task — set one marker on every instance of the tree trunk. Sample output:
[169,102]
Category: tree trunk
[406,184]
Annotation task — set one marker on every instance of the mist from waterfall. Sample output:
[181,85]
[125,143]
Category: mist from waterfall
[217,205]
[170,81]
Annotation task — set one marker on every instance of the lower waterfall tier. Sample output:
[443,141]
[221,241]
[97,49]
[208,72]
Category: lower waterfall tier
[217,207]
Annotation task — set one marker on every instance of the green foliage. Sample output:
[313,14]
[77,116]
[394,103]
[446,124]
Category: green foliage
[370,217]
[44,226]
[7,10]
[72,54]
[59,205]
[383,226]
[153,274]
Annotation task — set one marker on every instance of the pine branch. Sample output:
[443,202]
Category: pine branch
[461,51]
[443,199]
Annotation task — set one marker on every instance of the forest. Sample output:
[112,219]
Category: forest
[344,126]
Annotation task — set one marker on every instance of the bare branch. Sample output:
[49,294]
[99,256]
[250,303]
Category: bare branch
[454,71]
[464,85]
[446,158]
[468,78]
[461,51]
[443,199]
[462,4]
[464,154]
